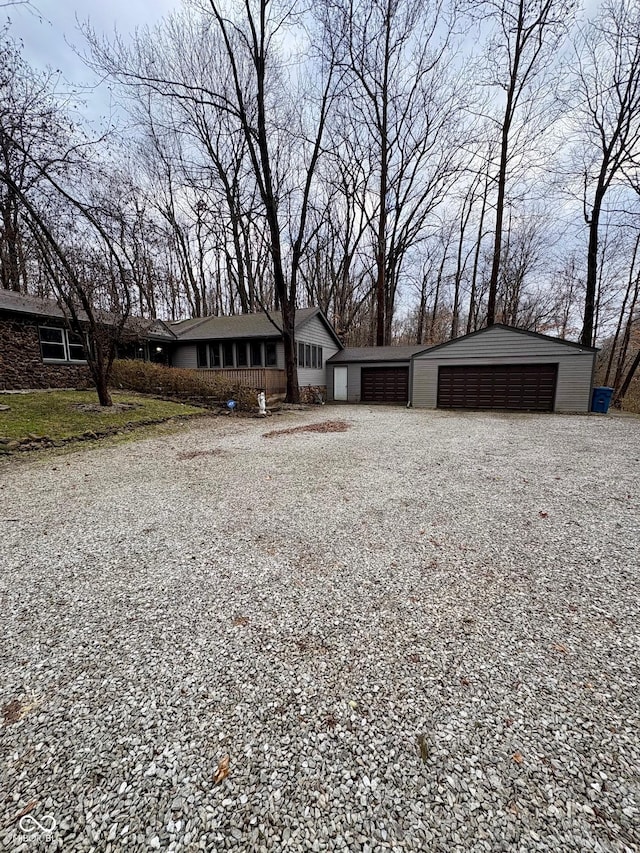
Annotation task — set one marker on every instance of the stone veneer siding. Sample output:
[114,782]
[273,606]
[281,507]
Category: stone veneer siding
[21,365]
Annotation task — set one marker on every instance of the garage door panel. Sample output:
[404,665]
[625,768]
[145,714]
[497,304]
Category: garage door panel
[505,386]
[385,384]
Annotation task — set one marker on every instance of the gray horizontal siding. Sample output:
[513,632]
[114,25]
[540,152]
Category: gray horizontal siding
[573,390]
[185,355]
[354,378]
[315,332]
[503,346]
[500,344]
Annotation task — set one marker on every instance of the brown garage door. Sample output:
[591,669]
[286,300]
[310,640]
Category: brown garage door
[385,385]
[531,387]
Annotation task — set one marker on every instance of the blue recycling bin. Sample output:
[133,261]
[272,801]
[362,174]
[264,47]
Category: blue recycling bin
[600,399]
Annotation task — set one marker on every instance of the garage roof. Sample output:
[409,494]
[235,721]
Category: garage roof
[393,353]
[489,330]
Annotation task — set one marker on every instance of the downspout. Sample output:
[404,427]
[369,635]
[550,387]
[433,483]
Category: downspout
[410,400]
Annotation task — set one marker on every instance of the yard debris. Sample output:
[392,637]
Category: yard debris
[12,712]
[422,744]
[222,770]
[323,426]
[517,757]
[22,813]
[15,710]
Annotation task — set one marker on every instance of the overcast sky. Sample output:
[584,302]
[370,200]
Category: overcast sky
[49,32]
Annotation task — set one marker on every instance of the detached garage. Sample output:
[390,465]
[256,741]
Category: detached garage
[370,374]
[504,368]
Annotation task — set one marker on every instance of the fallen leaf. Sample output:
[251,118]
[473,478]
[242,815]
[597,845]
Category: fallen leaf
[465,682]
[422,743]
[222,770]
[12,712]
[560,647]
[543,514]
[25,811]
[240,621]
[517,757]
[353,704]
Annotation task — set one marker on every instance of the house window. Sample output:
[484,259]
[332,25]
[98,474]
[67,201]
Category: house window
[307,355]
[60,345]
[271,355]
[227,355]
[300,355]
[214,355]
[319,352]
[241,354]
[256,354]
[314,356]
[202,355]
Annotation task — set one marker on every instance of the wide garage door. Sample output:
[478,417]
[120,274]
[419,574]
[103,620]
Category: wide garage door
[529,387]
[385,385]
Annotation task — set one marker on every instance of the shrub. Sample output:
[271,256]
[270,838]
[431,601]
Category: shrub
[179,384]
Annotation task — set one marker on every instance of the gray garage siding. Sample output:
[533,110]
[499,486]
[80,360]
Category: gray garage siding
[314,332]
[503,346]
[354,377]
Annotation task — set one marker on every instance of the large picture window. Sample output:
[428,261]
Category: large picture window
[60,345]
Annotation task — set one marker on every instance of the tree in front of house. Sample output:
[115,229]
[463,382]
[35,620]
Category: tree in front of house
[73,210]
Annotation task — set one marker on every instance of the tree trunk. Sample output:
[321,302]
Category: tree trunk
[627,380]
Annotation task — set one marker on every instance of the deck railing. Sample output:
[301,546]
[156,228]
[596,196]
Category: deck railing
[270,379]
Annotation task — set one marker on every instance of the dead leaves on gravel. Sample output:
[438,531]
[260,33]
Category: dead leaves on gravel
[323,426]
[222,770]
[15,710]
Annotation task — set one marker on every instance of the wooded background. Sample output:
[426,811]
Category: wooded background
[417,170]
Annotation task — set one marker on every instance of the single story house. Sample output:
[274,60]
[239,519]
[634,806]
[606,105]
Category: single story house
[253,342]
[37,350]
[499,367]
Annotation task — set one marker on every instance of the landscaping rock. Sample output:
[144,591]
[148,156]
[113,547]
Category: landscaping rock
[419,634]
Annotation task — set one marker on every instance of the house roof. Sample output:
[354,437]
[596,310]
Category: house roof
[514,329]
[391,353]
[21,303]
[242,326]
[194,329]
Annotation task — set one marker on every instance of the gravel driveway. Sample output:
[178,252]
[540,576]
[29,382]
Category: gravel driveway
[416,635]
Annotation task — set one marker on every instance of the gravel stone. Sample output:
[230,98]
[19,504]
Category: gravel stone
[418,634]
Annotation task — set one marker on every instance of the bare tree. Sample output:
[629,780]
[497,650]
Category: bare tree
[281,128]
[522,46]
[402,108]
[608,80]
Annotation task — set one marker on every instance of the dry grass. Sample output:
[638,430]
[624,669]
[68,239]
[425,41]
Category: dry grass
[324,426]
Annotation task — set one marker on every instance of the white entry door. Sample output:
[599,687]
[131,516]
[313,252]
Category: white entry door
[339,383]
